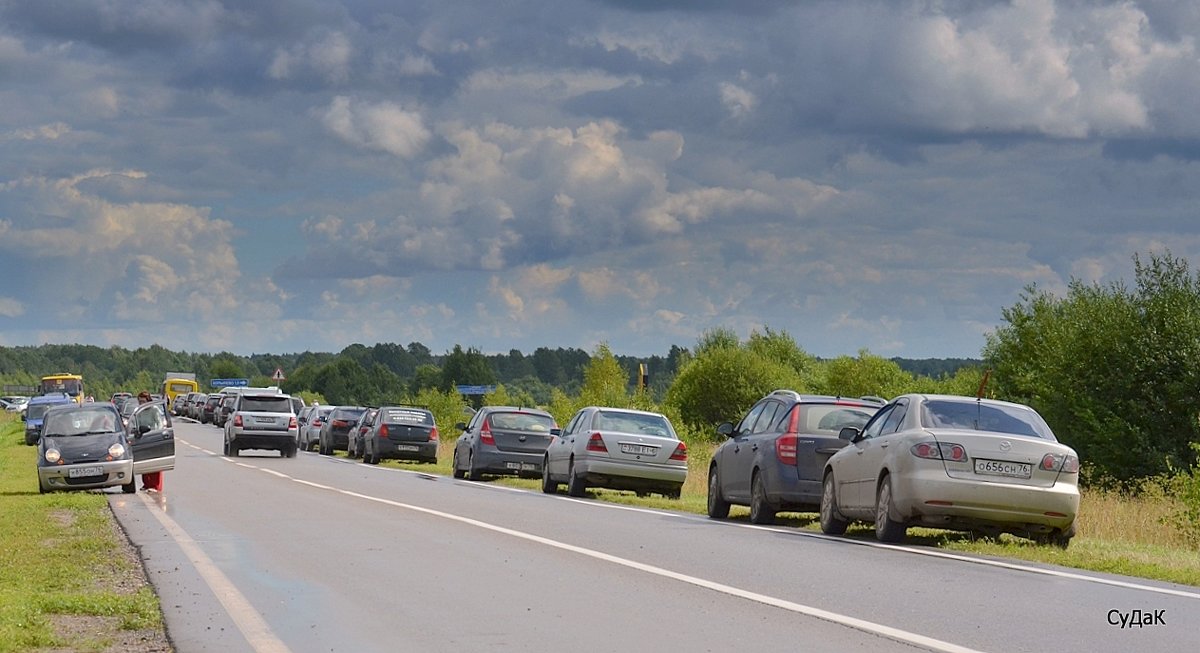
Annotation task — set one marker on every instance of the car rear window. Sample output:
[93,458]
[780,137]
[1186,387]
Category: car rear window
[521,422]
[978,416]
[830,419]
[407,416]
[279,404]
[348,414]
[633,423]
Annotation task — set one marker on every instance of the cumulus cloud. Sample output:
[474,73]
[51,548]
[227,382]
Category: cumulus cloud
[329,57]
[382,126]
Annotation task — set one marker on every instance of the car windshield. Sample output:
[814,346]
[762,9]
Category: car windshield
[633,423]
[277,404]
[831,419]
[80,422]
[522,422]
[980,416]
[35,411]
[407,416]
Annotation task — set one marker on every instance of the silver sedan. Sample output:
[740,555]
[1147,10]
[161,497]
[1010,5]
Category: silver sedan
[953,462]
[616,448]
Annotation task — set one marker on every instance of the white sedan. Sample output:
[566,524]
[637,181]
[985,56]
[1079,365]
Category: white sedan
[616,448]
[953,462]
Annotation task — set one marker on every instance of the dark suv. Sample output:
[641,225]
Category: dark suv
[774,457]
[502,440]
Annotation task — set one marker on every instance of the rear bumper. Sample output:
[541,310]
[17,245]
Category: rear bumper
[405,450]
[631,476]
[967,503]
[491,460]
[57,477]
[274,440]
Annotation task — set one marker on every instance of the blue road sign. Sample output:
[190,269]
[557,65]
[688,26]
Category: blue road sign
[226,383]
[475,389]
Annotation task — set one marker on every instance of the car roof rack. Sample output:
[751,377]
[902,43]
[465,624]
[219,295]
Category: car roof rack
[792,394]
[873,399]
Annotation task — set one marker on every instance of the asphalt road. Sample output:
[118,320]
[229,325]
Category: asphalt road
[267,554]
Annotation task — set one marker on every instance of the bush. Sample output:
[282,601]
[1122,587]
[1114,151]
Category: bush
[1185,487]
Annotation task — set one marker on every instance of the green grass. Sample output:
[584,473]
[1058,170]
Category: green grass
[59,555]
[1116,533]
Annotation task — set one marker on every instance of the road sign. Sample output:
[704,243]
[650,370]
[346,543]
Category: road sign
[475,389]
[229,383]
[278,375]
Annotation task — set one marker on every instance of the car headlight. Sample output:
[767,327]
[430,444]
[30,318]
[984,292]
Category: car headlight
[116,451]
[53,456]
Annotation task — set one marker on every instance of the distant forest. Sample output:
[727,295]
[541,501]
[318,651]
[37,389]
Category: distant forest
[106,370]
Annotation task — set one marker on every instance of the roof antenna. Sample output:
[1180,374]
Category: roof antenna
[983,383]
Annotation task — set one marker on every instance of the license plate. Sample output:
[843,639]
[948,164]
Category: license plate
[1003,468]
[521,466]
[80,472]
[265,420]
[638,449]
[407,447]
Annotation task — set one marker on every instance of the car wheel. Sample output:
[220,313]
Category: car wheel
[371,457]
[42,489]
[548,486]
[130,487]
[472,473]
[718,507]
[324,450]
[454,469]
[291,451]
[225,448]
[886,528]
[832,522]
[576,486]
[234,450]
[1058,538]
[761,511]
[675,494]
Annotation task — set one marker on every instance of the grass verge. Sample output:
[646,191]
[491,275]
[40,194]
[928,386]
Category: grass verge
[67,580]
[1116,533]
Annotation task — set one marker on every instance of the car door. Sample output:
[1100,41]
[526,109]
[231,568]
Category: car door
[466,440]
[152,438]
[559,450]
[851,471]
[738,459]
[871,452]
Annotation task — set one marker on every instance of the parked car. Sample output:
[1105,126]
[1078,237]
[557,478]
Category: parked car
[177,405]
[35,411]
[209,408]
[86,446]
[616,448]
[310,432]
[358,430]
[189,404]
[953,462]
[335,432]
[261,421]
[400,433]
[224,409]
[14,403]
[116,395]
[773,458]
[502,440]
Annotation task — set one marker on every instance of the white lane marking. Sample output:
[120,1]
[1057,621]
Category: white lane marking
[878,545]
[825,615]
[256,631]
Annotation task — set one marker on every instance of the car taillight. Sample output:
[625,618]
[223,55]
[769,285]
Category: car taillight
[292,422]
[340,423]
[940,451]
[1067,463]
[237,421]
[596,443]
[785,448]
[433,434]
[383,431]
[316,422]
[485,434]
[681,452]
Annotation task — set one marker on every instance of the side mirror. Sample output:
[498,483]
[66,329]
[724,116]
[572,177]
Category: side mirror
[849,433]
[462,426]
[556,431]
[726,429]
[143,429]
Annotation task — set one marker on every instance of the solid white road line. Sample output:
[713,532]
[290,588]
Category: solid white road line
[256,631]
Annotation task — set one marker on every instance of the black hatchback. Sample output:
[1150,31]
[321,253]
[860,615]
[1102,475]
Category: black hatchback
[773,458]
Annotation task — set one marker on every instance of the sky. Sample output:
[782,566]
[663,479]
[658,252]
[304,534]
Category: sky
[286,176]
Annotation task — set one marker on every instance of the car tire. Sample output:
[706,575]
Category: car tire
[472,473]
[454,469]
[674,495]
[324,450]
[718,507]
[886,528]
[762,511]
[832,521]
[234,450]
[549,486]
[130,487]
[1058,538]
[371,457]
[290,452]
[576,486]
[225,448]
[42,489]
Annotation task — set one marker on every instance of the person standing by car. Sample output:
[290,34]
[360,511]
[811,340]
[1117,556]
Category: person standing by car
[153,481]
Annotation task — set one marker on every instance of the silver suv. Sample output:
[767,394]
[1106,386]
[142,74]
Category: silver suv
[261,420]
